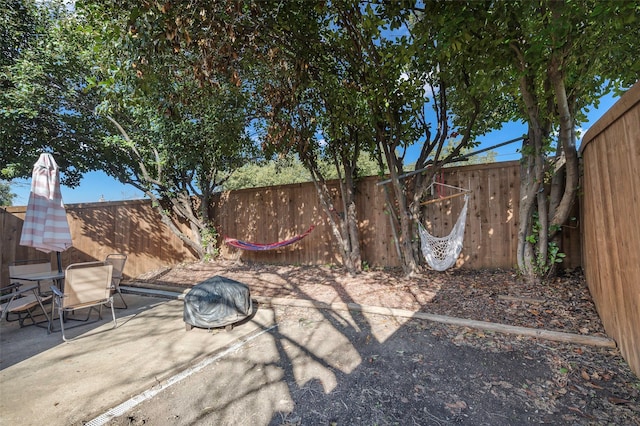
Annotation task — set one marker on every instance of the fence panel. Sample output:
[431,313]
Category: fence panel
[276,213]
[97,229]
[609,218]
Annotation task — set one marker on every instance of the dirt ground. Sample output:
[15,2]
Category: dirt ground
[430,373]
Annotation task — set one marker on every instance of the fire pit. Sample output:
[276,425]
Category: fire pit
[217,302]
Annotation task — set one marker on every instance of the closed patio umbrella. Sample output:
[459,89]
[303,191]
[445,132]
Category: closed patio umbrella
[45,224]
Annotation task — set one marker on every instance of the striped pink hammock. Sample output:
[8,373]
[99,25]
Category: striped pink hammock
[245,245]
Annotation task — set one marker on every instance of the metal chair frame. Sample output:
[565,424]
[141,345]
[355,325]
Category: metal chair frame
[22,302]
[87,285]
[118,261]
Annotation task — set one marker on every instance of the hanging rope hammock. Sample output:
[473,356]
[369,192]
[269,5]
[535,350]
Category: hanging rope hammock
[441,253]
[245,245]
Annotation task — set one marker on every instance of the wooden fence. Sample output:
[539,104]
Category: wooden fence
[610,211]
[97,229]
[276,213]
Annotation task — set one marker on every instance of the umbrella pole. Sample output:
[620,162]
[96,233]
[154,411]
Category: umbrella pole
[59,262]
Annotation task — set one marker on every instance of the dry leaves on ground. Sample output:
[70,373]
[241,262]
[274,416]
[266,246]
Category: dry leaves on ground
[563,304]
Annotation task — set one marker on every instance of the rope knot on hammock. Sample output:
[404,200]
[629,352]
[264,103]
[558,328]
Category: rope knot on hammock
[441,253]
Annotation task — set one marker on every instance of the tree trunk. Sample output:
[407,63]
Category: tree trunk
[344,227]
[352,231]
[408,257]
[554,202]
[567,148]
[528,190]
[531,181]
[180,205]
[194,241]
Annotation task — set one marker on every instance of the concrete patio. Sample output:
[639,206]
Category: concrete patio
[46,381]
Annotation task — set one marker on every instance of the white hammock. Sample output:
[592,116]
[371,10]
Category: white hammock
[441,253]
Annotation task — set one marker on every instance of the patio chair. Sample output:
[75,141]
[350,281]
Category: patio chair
[23,267]
[86,285]
[22,302]
[117,260]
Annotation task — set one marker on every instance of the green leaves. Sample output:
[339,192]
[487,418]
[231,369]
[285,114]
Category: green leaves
[43,104]
[6,196]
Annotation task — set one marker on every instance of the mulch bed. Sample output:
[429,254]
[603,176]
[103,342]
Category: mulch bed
[563,304]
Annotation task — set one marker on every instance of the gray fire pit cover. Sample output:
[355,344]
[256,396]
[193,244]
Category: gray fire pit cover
[217,302]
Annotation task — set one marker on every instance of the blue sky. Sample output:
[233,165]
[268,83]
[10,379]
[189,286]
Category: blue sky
[97,186]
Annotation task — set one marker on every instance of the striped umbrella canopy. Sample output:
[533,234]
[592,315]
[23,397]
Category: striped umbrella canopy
[45,224]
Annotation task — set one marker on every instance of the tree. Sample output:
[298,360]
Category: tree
[553,59]
[179,113]
[282,171]
[264,47]
[315,110]
[406,86]
[331,86]
[331,83]
[180,161]
[174,138]
[43,104]
[6,196]
[79,85]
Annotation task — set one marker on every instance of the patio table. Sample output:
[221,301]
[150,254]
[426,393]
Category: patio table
[55,276]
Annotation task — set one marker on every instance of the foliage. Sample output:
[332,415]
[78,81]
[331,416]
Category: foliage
[313,108]
[188,139]
[94,89]
[283,171]
[550,60]
[17,29]
[209,238]
[178,140]
[544,266]
[6,196]
[43,104]
[271,173]
[405,88]
[163,95]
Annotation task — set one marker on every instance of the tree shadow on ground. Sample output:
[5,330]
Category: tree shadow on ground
[343,367]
